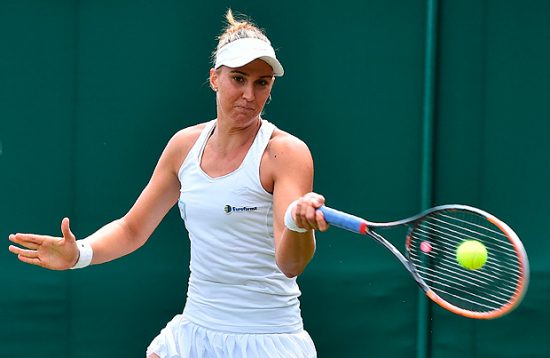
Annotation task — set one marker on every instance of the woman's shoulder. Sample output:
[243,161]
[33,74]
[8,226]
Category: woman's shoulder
[182,141]
[282,140]
[186,137]
[190,133]
[284,148]
[285,155]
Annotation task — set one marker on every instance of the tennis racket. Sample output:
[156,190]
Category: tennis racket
[431,242]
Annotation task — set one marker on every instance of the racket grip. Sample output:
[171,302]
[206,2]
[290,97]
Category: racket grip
[344,220]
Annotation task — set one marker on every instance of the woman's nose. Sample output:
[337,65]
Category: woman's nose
[248,93]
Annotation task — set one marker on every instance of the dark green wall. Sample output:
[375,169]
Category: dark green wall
[493,151]
[91,90]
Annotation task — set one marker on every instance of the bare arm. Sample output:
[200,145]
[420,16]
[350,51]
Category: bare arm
[292,168]
[130,232]
[121,236]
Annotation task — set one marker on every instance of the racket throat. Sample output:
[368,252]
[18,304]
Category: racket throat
[364,228]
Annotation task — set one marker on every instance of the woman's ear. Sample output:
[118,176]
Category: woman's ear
[214,80]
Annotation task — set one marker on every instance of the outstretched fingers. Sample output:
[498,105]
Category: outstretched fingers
[30,260]
[19,251]
[30,241]
[55,253]
[28,256]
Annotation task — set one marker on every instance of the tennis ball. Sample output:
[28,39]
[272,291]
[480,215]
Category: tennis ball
[471,254]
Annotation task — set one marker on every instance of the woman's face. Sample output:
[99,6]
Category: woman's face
[242,92]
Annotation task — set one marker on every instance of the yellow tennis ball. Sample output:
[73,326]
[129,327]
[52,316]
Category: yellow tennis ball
[471,254]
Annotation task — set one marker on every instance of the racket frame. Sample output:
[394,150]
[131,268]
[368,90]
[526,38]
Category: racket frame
[364,227]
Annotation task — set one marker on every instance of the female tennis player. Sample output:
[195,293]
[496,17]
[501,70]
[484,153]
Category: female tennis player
[243,188]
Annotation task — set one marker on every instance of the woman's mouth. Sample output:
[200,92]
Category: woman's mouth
[244,108]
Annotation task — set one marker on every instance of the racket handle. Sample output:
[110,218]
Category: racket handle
[344,220]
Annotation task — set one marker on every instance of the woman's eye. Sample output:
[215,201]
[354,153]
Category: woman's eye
[238,78]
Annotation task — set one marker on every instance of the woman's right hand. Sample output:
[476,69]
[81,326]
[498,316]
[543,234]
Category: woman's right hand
[306,213]
[54,253]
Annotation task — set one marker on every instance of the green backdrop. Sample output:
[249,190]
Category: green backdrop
[91,90]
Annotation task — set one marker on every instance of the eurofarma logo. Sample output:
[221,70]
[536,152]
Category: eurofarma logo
[238,209]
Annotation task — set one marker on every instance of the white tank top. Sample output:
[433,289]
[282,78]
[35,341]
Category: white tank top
[235,284]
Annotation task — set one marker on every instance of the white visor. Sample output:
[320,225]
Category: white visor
[243,51]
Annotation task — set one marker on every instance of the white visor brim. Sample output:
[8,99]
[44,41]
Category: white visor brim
[243,51]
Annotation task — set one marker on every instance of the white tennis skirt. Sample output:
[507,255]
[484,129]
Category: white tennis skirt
[183,339]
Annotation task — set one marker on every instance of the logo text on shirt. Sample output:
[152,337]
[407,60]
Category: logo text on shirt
[238,209]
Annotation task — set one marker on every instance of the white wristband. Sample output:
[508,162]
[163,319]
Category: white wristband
[289,221]
[86,254]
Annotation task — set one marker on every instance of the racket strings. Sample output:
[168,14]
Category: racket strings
[488,288]
[483,232]
[464,285]
[509,266]
[452,240]
[466,280]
